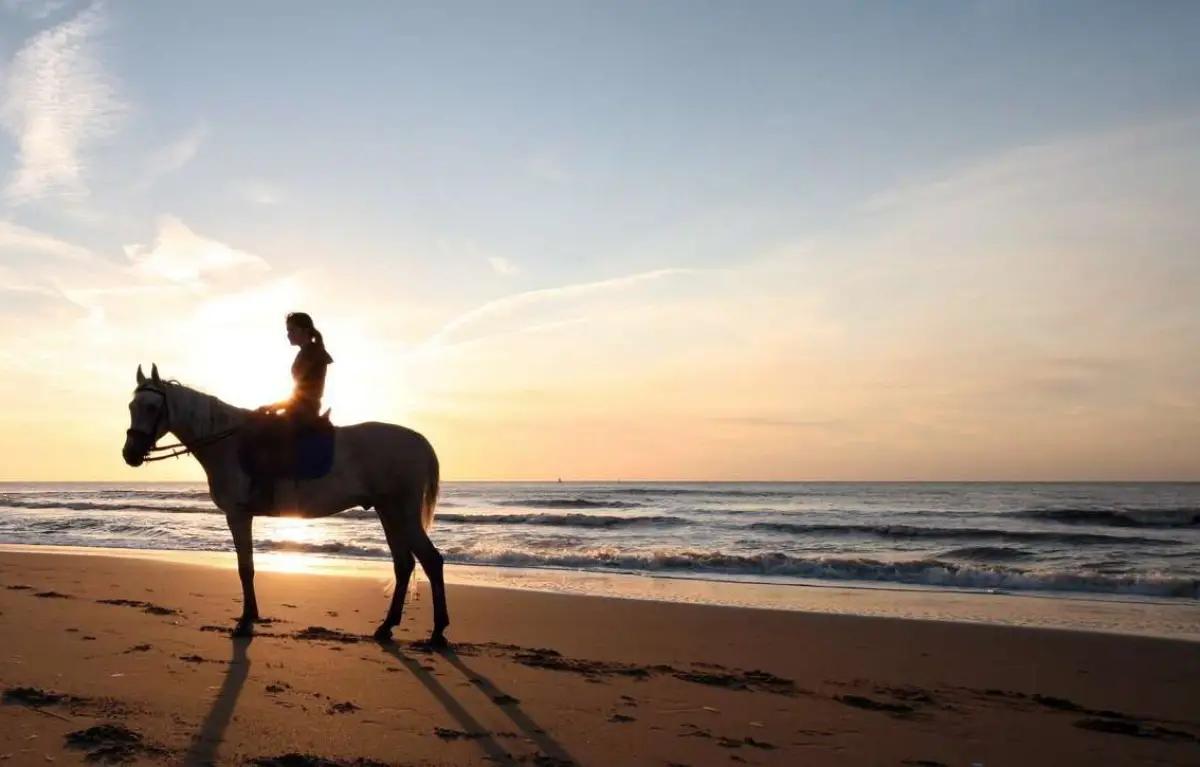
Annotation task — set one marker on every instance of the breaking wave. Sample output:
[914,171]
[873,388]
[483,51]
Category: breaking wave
[958,533]
[563,520]
[566,503]
[1185,516]
[17,501]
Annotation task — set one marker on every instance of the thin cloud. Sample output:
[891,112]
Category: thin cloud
[14,237]
[181,256]
[258,193]
[502,265]
[36,9]
[58,101]
[510,305]
[174,156]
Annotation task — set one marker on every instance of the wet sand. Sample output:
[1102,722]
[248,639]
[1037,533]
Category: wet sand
[113,658]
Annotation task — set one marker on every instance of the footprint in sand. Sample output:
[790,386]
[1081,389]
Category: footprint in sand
[308,760]
[112,744]
[146,607]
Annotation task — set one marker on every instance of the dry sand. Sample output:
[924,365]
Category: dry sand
[105,657]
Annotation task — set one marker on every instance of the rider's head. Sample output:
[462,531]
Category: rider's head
[302,332]
[300,329]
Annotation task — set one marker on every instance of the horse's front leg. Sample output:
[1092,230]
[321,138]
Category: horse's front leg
[240,527]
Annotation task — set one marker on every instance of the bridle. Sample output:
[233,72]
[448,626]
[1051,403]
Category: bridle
[164,417]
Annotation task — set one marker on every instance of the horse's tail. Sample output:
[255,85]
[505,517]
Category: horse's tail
[430,497]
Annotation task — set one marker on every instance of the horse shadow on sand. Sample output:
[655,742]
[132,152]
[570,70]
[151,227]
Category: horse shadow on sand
[206,742]
[553,752]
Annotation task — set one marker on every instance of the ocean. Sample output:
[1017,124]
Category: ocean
[1133,540]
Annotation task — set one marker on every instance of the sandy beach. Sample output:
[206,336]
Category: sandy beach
[110,658]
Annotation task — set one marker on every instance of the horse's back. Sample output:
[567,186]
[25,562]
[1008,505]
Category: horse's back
[377,446]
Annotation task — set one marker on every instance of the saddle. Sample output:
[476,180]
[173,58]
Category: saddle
[288,447]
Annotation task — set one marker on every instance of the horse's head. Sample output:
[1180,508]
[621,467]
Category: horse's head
[149,417]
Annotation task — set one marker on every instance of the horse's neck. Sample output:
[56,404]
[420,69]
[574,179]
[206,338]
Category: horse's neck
[198,416]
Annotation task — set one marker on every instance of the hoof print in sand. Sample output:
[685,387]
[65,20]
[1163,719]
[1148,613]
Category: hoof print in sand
[32,696]
[727,742]
[37,698]
[322,634]
[112,744]
[146,607]
[52,595]
[922,763]
[869,704]
[505,700]
[139,648]
[19,587]
[749,680]
[307,760]
[1134,729]
[342,708]
[447,734]
[621,718]
[196,659]
[542,760]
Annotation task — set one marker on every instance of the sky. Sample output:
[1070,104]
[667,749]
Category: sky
[680,239]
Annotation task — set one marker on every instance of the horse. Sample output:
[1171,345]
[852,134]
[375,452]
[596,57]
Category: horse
[386,467]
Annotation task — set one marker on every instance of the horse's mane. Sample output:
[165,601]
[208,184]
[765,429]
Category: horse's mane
[215,413]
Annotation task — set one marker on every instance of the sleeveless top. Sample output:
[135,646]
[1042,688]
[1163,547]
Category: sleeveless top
[308,372]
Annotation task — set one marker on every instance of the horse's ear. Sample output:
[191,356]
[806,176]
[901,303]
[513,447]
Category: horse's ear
[141,377]
[154,373]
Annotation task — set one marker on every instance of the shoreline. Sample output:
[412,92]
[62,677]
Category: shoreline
[1100,613]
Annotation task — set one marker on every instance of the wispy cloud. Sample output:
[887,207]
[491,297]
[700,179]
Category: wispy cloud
[58,101]
[16,238]
[181,256]
[36,9]
[258,193]
[457,330]
[173,156]
[502,265]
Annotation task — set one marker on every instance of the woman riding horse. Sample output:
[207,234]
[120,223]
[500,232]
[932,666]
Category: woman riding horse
[271,437]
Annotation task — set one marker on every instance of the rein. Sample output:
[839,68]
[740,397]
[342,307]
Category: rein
[180,448]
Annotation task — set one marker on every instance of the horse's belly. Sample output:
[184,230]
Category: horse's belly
[310,499]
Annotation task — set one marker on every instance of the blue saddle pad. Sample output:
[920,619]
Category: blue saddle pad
[314,454]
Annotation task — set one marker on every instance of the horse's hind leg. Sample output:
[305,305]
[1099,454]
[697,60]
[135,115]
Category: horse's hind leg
[432,563]
[402,565]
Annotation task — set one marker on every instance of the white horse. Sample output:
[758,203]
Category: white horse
[389,468]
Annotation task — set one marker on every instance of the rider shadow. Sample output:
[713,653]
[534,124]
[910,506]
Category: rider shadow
[205,743]
[508,705]
[474,729]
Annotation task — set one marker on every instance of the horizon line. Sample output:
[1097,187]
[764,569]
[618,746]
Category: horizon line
[555,481]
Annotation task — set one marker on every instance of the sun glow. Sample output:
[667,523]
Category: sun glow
[253,369]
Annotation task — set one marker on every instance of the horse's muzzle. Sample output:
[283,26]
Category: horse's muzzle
[135,450]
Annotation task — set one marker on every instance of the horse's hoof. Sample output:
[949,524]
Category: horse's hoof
[382,634]
[438,641]
[243,629]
